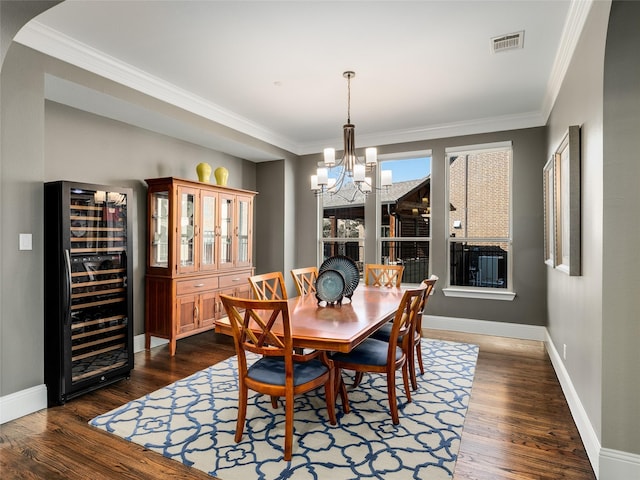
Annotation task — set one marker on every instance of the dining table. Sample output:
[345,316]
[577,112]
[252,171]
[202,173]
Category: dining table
[335,327]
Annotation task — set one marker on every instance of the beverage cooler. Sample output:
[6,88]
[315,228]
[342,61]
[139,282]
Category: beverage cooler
[87,288]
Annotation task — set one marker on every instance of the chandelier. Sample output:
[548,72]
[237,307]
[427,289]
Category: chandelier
[348,176]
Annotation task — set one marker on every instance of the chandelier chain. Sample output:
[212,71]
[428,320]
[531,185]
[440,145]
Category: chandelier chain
[348,98]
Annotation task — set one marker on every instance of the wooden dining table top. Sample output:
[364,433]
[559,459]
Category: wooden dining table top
[336,327]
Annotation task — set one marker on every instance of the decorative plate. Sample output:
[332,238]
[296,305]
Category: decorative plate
[329,286]
[347,268]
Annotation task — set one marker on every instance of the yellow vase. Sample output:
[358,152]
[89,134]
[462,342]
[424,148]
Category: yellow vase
[222,175]
[204,172]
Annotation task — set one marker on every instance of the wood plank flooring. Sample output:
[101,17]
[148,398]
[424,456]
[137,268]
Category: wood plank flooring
[518,425]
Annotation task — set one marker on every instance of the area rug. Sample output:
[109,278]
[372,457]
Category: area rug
[193,421]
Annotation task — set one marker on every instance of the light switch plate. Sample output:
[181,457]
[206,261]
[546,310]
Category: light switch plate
[26,241]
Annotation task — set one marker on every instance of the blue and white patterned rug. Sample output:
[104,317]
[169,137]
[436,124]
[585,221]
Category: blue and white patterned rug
[193,421]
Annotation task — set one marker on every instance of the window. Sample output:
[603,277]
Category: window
[479,216]
[400,215]
[405,217]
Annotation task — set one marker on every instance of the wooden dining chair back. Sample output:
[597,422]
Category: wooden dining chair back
[416,347]
[268,286]
[383,275]
[263,327]
[378,356]
[305,279]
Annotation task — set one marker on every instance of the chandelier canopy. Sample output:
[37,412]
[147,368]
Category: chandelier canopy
[349,174]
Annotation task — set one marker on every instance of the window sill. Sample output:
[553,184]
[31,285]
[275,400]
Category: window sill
[482,294]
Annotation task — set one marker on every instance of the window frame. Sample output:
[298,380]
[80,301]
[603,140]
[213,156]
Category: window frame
[427,153]
[479,291]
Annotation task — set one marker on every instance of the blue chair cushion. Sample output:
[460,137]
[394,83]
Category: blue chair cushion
[384,333]
[370,352]
[271,370]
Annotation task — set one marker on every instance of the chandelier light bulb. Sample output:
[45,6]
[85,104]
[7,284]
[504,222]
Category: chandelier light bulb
[371,155]
[385,178]
[323,176]
[329,157]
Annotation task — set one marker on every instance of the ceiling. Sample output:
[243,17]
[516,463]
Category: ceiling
[274,70]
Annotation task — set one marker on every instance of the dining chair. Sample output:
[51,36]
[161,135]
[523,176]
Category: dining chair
[279,372]
[378,356]
[414,350]
[268,286]
[305,279]
[379,275]
[383,275]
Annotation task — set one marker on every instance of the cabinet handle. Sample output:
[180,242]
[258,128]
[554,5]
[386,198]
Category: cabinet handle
[195,312]
[199,285]
[66,285]
[236,280]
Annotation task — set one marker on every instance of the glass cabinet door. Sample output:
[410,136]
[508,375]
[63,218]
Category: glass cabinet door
[208,254]
[186,229]
[226,231]
[242,231]
[159,228]
[97,275]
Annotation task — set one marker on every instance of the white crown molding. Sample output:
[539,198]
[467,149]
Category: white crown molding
[576,18]
[58,45]
[471,127]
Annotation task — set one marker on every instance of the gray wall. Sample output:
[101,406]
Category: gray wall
[269,206]
[596,315]
[621,239]
[275,219]
[83,147]
[14,15]
[529,156]
[21,197]
[575,303]
[44,141]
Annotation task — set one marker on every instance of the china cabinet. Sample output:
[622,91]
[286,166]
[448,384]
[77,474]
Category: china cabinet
[199,245]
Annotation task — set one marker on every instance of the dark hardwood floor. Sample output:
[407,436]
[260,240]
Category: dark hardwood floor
[518,425]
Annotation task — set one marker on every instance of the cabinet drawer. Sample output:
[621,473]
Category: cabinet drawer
[196,285]
[239,279]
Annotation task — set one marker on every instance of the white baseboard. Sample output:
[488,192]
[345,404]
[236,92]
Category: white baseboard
[579,414]
[22,403]
[606,463]
[138,342]
[32,399]
[616,465]
[485,327]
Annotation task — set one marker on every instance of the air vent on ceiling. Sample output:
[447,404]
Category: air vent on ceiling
[510,41]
